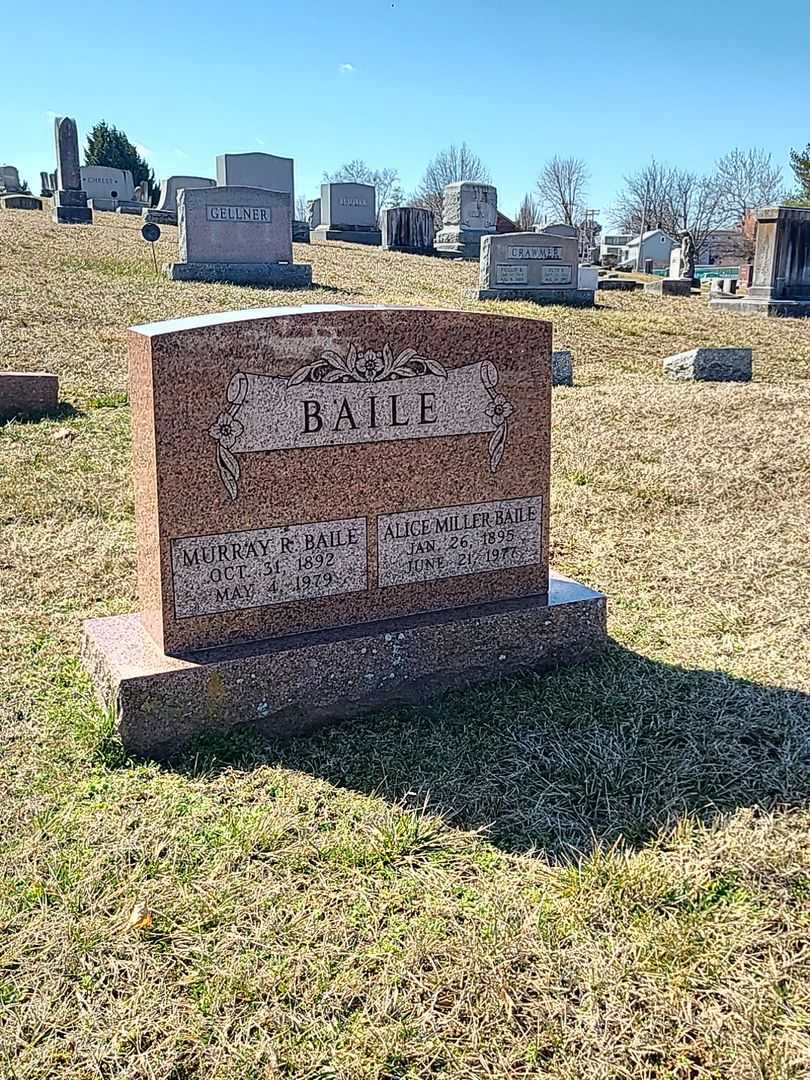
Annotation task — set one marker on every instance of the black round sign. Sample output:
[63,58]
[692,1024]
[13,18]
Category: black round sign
[150,232]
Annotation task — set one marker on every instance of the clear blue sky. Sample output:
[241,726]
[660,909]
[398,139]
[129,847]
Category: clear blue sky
[392,81]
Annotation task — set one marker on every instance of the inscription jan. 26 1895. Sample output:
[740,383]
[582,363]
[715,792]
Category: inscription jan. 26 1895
[235,570]
[453,540]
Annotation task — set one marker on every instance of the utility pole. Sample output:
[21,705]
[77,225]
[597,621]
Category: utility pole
[643,224]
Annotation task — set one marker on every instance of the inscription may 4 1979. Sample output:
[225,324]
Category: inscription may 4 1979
[301,469]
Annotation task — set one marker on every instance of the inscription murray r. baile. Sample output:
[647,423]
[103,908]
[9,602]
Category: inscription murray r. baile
[229,571]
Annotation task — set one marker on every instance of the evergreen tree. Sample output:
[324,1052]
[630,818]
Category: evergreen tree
[106,145]
[800,163]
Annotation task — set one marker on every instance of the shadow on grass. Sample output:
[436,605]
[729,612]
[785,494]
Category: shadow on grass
[63,411]
[563,762]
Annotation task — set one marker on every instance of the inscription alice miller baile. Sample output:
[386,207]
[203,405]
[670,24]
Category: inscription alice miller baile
[362,396]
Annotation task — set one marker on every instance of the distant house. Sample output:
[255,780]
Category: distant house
[503,224]
[726,247]
[655,244]
[612,247]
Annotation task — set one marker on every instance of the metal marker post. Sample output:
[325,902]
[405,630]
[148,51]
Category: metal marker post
[151,234]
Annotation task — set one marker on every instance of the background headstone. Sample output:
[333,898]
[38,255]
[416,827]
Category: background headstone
[469,212]
[408,228]
[257,171]
[69,200]
[542,267]
[349,213]
[236,234]
[165,213]
[282,514]
[107,188]
[20,202]
[314,213]
[45,186]
[9,179]
[781,278]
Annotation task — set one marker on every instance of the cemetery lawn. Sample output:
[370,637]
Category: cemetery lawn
[602,872]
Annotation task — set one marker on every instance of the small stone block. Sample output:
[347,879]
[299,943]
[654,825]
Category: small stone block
[670,287]
[123,208]
[284,275]
[27,393]
[300,232]
[292,685]
[710,365]
[620,284]
[562,368]
[160,217]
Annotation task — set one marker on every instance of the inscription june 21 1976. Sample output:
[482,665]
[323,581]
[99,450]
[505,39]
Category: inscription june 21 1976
[453,540]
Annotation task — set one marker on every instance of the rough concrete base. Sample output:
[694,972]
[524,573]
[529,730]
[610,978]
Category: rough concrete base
[571,297]
[775,309]
[286,275]
[160,217]
[670,287]
[291,685]
[27,394]
[349,236]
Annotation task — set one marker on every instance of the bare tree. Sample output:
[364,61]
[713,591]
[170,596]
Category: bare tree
[528,213]
[449,166]
[384,181]
[747,179]
[674,200]
[563,188]
[302,208]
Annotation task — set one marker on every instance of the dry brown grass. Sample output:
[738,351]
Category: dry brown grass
[600,873]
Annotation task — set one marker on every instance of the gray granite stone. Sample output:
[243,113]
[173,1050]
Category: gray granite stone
[69,200]
[300,232]
[20,202]
[780,285]
[159,217]
[234,225]
[292,685]
[348,212]
[669,287]
[562,368]
[542,267]
[571,297]
[408,228]
[469,212]
[710,365]
[258,171]
[170,187]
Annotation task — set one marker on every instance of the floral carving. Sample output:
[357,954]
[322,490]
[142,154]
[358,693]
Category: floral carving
[499,410]
[366,366]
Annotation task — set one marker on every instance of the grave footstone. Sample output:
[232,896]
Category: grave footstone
[562,368]
[27,394]
[240,235]
[710,365]
[349,213]
[408,228]
[531,266]
[69,200]
[780,285]
[336,508]
[469,212]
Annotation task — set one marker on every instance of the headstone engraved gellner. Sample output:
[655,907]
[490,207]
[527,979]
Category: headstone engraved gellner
[336,507]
